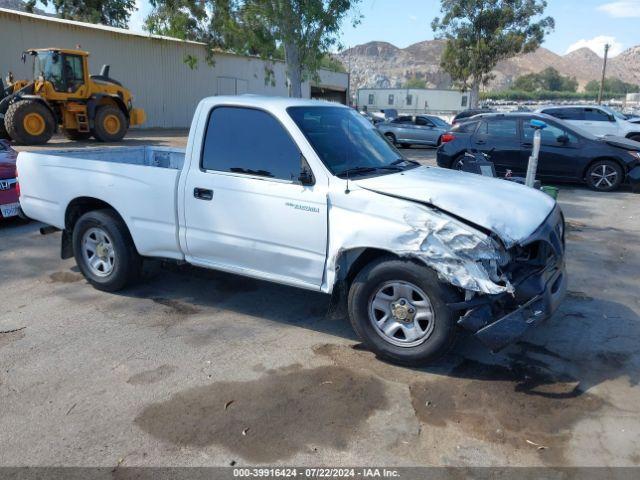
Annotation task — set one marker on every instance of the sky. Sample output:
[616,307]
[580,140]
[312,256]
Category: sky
[579,23]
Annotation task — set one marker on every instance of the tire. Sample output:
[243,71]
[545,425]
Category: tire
[604,175]
[457,163]
[425,342]
[117,263]
[109,124]
[391,137]
[405,145]
[29,122]
[76,135]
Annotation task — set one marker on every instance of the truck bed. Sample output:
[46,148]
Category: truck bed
[139,181]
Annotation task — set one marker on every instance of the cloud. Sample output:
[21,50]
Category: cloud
[597,45]
[622,8]
[413,18]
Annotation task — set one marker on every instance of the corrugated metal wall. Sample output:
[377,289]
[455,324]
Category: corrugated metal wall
[152,67]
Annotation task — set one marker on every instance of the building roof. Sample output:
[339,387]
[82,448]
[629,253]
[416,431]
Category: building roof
[94,26]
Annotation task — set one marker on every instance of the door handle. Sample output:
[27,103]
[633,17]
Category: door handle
[203,193]
[480,142]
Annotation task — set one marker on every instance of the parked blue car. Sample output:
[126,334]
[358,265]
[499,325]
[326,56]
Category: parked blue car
[407,130]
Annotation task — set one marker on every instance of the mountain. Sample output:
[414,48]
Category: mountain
[382,64]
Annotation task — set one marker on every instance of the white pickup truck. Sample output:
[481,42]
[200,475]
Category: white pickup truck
[309,194]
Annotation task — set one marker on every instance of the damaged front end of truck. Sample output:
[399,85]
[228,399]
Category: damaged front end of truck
[508,282]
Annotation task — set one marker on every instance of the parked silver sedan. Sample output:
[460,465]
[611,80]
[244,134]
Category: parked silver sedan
[407,130]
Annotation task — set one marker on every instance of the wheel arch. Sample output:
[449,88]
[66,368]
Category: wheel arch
[78,207]
[351,261]
[99,99]
[597,159]
[633,134]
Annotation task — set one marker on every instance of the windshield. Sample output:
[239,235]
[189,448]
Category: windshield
[615,113]
[346,142]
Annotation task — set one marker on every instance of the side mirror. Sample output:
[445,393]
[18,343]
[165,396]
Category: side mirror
[306,177]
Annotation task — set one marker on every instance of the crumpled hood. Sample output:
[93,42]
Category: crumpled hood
[511,211]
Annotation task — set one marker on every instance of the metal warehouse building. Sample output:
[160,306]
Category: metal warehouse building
[153,67]
[413,100]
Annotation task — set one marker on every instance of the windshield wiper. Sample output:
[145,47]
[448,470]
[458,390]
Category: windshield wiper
[405,160]
[363,169]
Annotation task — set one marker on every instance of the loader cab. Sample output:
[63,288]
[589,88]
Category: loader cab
[64,70]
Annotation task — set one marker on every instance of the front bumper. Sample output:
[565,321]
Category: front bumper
[633,177]
[541,284]
[502,332]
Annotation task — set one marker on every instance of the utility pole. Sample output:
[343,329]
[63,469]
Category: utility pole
[604,70]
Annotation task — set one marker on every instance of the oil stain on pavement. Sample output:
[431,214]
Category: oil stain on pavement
[273,417]
[525,407]
[66,277]
[151,376]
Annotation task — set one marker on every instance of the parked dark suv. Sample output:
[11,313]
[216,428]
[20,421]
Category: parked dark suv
[567,153]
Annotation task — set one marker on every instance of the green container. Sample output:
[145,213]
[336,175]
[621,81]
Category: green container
[551,191]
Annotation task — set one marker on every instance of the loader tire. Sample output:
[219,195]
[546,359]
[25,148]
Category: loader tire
[76,135]
[109,124]
[29,122]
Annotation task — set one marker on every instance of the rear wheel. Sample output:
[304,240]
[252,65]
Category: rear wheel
[458,163]
[391,137]
[405,145]
[76,135]
[104,251]
[604,175]
[29,122]
[399,309]
[110,124]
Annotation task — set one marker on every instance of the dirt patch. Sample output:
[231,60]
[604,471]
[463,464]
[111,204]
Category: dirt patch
[65,277]
[10,337]
[273,417]
[176,306]
[523,407]
[151,376]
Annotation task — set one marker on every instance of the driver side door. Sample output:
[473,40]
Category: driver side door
[246,210]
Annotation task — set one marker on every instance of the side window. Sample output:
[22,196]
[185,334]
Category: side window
[550,135]
[371,99]
[73,74]
[596,115]
[566,113]
[502,128]
[402,120]
[424,122]
[464,101]
[245,140]
[409,99]
[391,99]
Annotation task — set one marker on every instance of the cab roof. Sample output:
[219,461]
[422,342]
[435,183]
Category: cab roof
[59,50]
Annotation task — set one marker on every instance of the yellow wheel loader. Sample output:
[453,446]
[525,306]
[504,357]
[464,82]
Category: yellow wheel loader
[62,95]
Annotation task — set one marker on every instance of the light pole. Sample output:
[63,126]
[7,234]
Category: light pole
[604,70]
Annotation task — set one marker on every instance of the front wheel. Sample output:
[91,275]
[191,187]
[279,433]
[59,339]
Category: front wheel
[110,124]
[104,251]
[391,137]
[399,309]
[604,175]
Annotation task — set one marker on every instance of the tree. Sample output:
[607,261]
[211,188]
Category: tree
[301,31]
[415,83]
[481,33]
[548,80]
[114,13]
[613,86]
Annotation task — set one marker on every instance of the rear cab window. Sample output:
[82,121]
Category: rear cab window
[249,141]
